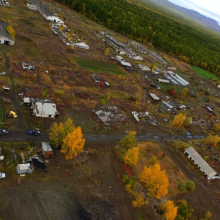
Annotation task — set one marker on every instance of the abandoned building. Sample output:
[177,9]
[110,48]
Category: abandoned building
[47,150]
[81,45]
[201,164]
[44,108]
[4,3]
[44,10]
[154,97]
[144,67]
[108,114]
[99,80]
[125,64]
[5,37]
[27,66]
[24,168]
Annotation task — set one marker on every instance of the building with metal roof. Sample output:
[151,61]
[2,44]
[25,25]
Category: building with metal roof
[44,10]
[5,37]
[202,165]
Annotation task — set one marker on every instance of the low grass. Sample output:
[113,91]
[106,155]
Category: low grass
[167,87]
[1,112]
[98,66]
[203,73]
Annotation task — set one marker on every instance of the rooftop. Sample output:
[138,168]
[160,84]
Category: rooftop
[3,30]
[200,162]
[44,8]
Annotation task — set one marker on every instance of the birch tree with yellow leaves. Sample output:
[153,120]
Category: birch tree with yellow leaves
[131,157]
[169,210]
[155,180]
[73,143]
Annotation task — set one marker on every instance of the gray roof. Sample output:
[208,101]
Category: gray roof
[44,8]
[200,162]
[3,30]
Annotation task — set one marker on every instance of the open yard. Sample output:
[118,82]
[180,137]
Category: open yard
[203,73]
[98,66]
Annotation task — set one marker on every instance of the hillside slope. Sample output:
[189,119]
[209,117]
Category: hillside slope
[181,11]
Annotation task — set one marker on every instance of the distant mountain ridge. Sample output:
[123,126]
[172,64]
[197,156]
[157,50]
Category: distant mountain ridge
[208,22]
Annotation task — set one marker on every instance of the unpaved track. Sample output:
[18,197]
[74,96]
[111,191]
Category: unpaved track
[21,124]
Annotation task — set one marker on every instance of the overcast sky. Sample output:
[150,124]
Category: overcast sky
[209,8]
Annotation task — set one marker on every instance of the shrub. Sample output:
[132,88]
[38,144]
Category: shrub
[59,92]
[190,186]
[181,186]
[45,93]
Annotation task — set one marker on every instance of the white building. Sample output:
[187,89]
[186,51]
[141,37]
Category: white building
[163,81]
[44,108]
[81,45]
[201,164]
[125,64]
[154,97]
[119,58]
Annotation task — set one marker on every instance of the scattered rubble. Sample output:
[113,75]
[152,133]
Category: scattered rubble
[108,114]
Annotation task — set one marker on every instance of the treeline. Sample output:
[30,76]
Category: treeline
[152,28]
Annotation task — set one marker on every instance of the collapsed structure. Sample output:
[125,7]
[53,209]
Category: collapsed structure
[107,114]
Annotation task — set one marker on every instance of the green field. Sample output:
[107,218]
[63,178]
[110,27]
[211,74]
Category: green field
[203,73]
[98,66]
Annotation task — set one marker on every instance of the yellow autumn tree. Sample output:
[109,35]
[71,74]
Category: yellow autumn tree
[59,131]
[179,120]
[211,140]
[139,197]
[169,210]
[185,91]
[155,180]
[56,134]
[11,31]
[217,126]
[106,52]
[131,157]
[73,143]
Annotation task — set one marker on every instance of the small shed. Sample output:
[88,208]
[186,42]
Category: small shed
[24,168]
[46,149]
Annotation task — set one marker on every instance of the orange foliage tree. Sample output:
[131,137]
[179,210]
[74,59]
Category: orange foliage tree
[73,143]
[179,120]
[155,180]
[131,157]
[169,210]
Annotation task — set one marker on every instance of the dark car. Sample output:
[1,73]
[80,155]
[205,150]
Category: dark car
[34,132]
[4,132]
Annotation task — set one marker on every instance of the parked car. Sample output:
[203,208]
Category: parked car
[2,175]
[4,132]
[34,132]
